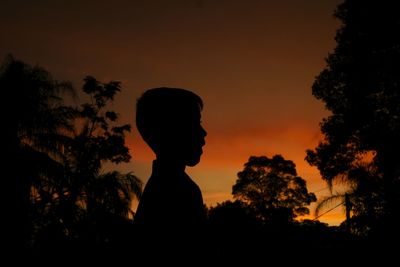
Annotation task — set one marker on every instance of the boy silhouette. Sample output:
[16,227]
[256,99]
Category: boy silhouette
[169,121]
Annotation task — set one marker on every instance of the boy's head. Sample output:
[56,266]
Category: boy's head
[169,121]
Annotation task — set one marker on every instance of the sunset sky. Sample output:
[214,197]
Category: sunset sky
[253,62]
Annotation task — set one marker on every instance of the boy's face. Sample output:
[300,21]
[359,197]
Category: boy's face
[186,137]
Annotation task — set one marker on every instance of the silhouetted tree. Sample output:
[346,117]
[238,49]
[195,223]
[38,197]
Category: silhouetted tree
[271,187]
[55,191]
[33,117]
[364,195]
[360,86]
[86,203]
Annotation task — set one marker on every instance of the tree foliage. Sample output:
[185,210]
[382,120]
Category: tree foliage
[33,118]
[360,86]
[55,155]
[232,214]
[86,196]
[272,188]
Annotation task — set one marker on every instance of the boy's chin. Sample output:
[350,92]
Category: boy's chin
[193,162]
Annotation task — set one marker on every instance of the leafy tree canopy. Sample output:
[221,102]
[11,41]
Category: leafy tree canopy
[272,188]
[361,87]
[54,172]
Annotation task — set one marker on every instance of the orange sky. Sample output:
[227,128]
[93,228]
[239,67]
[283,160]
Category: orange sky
[252,61]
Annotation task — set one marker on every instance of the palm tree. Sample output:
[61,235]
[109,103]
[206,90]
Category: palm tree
[91,197]
[362,200]
[33,118]
[58,182]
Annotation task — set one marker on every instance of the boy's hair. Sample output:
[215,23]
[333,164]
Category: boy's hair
[162,109]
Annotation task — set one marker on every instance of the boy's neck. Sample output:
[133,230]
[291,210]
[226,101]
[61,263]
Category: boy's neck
[168,165]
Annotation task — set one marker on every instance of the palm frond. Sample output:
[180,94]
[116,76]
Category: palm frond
[133,184]
[326,201]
